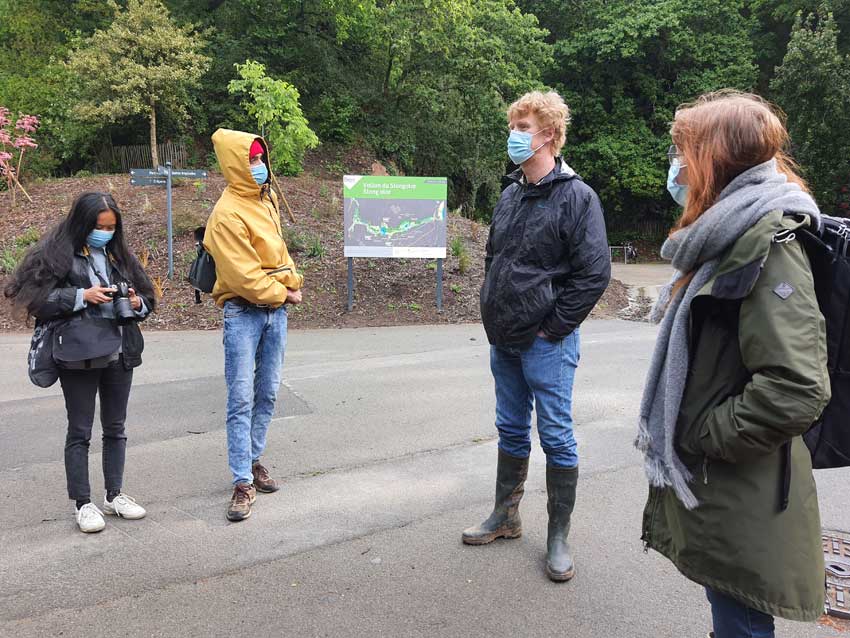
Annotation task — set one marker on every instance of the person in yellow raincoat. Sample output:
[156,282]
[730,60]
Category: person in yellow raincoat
[255,279]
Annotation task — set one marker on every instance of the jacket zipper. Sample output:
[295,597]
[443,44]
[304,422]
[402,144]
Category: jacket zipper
[647,535]
[705,469]
[271,216]
[277,270]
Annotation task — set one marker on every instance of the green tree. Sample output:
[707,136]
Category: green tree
[774,20]
[274,104]
[34,36]
[142,62]
[437,79]
[623,67]
[423,83]
[813,88]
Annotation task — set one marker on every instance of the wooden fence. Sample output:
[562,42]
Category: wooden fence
[647,229]
[139,156]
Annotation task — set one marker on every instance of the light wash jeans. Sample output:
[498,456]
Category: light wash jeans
[254,343]
[540,377]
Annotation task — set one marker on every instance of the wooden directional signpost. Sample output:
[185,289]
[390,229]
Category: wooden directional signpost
[162,176]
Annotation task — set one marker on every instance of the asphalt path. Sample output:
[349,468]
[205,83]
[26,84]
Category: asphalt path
[385,445]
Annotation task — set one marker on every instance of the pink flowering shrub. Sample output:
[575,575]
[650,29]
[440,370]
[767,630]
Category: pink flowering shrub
[14,143]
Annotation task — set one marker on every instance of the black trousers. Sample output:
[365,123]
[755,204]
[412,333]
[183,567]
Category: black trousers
[80,387]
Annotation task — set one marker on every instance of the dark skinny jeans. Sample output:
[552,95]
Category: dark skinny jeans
[80,387]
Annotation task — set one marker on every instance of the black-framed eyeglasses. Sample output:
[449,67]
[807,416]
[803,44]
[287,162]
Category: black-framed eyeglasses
[673,153]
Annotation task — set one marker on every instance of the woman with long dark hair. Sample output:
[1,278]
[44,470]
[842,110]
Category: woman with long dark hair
[82,277]
[739,373]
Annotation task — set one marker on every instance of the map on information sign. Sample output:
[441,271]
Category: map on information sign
[395,216]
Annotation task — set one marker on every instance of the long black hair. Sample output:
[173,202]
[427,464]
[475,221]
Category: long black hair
[48,263]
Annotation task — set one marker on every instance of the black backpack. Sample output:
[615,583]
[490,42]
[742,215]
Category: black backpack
[202,270]
[828,248]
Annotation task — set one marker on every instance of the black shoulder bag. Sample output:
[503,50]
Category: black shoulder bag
[41,367]
[202,270]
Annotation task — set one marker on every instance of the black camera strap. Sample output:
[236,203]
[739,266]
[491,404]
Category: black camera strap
[104,281]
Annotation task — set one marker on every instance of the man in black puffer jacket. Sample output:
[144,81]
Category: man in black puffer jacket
[547,265]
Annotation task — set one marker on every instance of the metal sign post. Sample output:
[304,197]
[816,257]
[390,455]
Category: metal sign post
[163,176]
[170,221]
[350,283]
[439,285]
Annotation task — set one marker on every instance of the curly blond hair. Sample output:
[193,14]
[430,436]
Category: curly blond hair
[550,110]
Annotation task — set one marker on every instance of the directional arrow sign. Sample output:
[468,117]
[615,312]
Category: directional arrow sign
[144,172]
[148,181]
[183,172]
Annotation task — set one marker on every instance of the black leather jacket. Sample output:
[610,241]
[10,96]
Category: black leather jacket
[61,300]
[547,261]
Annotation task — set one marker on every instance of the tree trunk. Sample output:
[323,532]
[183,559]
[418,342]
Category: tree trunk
[385,89]
[154,156]
[473,200]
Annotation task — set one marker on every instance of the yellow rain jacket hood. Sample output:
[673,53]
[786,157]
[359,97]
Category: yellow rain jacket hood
[244,233]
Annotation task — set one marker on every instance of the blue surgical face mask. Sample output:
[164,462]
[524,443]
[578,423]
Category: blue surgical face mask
[260,173]
[519,146]
[99,238]
[679,192]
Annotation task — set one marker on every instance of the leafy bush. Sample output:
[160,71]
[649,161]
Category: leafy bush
[295,241]
[185,218]
[463,262]
[315,247]
[275,106]
[336,117]
[12,255]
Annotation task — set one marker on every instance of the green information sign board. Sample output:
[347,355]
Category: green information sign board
[395,216]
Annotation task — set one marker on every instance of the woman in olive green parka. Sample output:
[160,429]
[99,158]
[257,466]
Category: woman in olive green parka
[738,373]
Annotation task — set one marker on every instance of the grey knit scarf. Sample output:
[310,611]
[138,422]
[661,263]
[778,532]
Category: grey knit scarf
[698,248]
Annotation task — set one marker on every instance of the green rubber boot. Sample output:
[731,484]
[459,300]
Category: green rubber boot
[504,522]
[561,486]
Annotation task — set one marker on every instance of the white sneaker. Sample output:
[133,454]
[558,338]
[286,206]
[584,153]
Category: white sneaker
[125,507]
[90,519]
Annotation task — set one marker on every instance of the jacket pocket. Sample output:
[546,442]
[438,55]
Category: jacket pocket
[521,310]
[688,437]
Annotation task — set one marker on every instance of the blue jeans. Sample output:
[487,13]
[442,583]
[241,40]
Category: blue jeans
[735,620]
[541,376]
[254,343]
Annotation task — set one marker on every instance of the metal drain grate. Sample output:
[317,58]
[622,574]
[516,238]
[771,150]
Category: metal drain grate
[836,554]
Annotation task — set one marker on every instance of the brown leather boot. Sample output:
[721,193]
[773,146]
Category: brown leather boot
[504,522]
[244,495]
[262,480]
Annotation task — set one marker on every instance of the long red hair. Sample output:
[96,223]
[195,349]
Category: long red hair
[721,135]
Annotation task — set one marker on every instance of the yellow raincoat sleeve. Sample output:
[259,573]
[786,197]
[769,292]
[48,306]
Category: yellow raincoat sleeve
[293,280]
[238,267]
